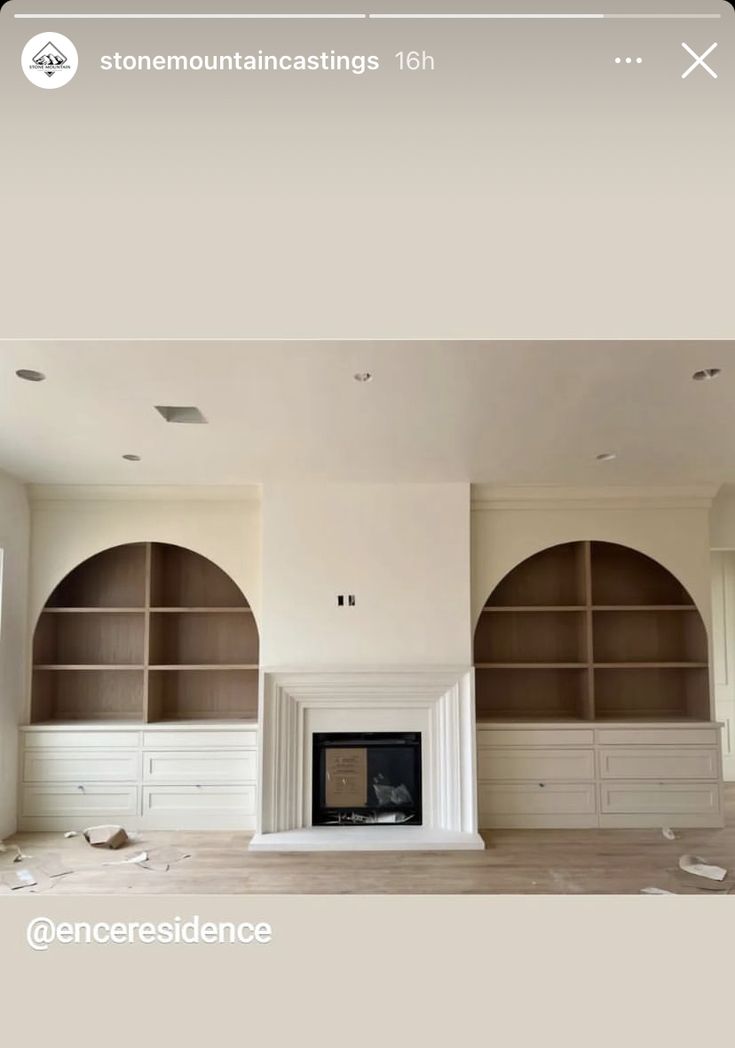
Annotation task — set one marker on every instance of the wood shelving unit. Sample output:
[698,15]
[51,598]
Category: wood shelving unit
[145,632]
[591,631]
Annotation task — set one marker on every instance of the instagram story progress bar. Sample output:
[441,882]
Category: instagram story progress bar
[393,16]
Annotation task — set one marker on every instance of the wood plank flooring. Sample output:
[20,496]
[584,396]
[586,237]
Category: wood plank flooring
[515,862]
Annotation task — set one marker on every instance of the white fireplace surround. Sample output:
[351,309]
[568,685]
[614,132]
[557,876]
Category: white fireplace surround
[439,703]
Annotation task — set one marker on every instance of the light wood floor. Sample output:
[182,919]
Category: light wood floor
[516,862]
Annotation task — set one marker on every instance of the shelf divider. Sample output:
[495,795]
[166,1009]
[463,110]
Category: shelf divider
[589,639]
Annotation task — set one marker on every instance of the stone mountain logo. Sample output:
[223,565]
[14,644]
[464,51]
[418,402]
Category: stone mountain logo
[50,59]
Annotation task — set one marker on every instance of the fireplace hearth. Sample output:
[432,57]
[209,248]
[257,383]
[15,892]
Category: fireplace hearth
[366,779]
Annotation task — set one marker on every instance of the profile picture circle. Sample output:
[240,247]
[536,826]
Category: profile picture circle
[49,60]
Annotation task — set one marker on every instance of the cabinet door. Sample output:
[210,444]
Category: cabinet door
[534,737]
[79,802]
[539,765]
[530,805]
[80,740]
[660,799]
[83,766]
[199,807]
[692,762]
[192,766]
[658,736]
[200,740]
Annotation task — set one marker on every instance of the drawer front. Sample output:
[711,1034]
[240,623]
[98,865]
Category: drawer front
[81,767]
[165,800]
[532,799]
[194,767]
[540,765]
[81,740]
[200,740]
[660,763]
[69,802]
[534,737]
[668,798]
[658,736]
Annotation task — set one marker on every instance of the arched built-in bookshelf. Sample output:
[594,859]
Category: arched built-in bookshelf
[145,632]
[591,631]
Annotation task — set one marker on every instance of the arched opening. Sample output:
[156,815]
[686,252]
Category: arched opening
[591,631]
[145,632]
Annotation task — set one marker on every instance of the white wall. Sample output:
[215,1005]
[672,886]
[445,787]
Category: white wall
[402,549]
[723,649]
[14,541]
[670,526]
[722,519]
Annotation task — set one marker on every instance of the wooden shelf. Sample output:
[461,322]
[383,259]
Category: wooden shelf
[115,578]
[591,630]
[92,611]
[207,666]
[648,665]
[182,579]
[85,666]
[530,665]
[202,611]
[644,607]
[145,632]
[535,608]
[211,693]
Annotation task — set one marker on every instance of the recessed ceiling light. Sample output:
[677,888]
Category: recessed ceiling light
[706,374]
[363,376]
[29,375]
[132,458]
[606,456]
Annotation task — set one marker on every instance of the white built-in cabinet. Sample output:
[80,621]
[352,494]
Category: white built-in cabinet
[593,702]
[200,777]
[196,777]
[616,775]
[591,681]
[144,697]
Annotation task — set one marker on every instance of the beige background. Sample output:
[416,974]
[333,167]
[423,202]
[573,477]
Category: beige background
[379,971]
[528,188]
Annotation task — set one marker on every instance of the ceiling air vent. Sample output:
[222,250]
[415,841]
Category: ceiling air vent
[175,413]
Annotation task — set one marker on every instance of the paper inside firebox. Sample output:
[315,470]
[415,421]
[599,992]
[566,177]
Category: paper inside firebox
[346,783]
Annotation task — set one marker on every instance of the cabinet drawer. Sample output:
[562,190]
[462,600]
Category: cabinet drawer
[81,767]
[199,807]
[81,740]
[534,737]
[191,766]
[70,802]
[200,740]
[533,799]
[659,763]
[665,798]
[658,736]
[540,765]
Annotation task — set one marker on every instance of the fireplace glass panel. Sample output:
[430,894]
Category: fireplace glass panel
[370,778]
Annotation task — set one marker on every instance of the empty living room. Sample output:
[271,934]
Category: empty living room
[466,631]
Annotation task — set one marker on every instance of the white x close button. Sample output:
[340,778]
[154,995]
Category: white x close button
[699,60]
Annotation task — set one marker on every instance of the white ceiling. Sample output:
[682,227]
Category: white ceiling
[488,412]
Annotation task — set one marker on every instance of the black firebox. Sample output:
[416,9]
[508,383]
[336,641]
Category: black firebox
[366,779]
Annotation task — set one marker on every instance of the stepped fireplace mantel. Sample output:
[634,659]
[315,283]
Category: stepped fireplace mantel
[296,706]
